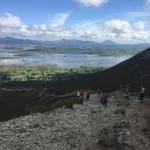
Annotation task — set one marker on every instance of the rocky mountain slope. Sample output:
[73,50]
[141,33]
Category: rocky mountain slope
[123,125]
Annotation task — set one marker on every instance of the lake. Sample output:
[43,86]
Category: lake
[62,60]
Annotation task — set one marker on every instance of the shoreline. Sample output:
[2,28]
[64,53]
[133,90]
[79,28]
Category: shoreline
[64,60]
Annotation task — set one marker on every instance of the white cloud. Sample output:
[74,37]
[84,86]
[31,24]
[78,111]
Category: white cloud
[24,29]
[96,3]
[142,35]
[147,5]
[43,27]
[11,25]
[10,21]
[140,25]
[118,26]
[60,18]
[117,30]
[113,30]
[90,30]
[126,30]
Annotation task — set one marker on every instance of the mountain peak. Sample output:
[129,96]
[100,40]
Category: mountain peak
[109,42]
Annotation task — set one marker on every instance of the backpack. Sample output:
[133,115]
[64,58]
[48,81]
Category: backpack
[101,95]
[105,96]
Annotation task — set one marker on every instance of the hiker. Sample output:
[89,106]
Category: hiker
[142,92]
[101,95]
[78,95]
[105,99]
[82,97]
[88,96]
[81,94]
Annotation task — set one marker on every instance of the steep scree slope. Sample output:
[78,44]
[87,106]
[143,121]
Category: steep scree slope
[86,127]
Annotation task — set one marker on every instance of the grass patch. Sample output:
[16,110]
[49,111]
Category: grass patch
[59,103]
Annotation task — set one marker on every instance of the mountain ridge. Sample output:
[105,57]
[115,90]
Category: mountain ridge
[10,40]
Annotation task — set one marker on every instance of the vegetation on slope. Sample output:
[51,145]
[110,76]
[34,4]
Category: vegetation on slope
[66,102]
[45,73]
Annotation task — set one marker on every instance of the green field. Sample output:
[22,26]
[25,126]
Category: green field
[101,51]
[15,73]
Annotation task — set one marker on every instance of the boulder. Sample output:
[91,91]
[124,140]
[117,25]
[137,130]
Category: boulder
[72,142]
[127,97]
[122,124]
[35,125]
[22,130]
[120,111]
[107,138]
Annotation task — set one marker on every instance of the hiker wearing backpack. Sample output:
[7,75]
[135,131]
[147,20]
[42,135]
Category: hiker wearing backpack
[78,95]
[81,94]
[105,99]
[88,96]
[142,93]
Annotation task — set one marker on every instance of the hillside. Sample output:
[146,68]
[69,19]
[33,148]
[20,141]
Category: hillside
[15,96]
[135,70]
[123,125]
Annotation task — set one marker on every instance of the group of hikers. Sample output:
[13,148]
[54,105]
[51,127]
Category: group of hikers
[102,97]
[80,95]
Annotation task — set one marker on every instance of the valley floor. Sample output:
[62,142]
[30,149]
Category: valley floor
[123,125]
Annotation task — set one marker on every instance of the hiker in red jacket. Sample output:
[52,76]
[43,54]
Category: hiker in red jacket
[78,95]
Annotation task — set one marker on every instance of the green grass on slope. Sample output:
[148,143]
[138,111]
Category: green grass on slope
[66,102]
[44,72]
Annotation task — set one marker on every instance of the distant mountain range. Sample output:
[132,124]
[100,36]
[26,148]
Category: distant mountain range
[9,40]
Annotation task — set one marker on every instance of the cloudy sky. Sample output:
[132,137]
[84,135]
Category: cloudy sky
[123,21]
